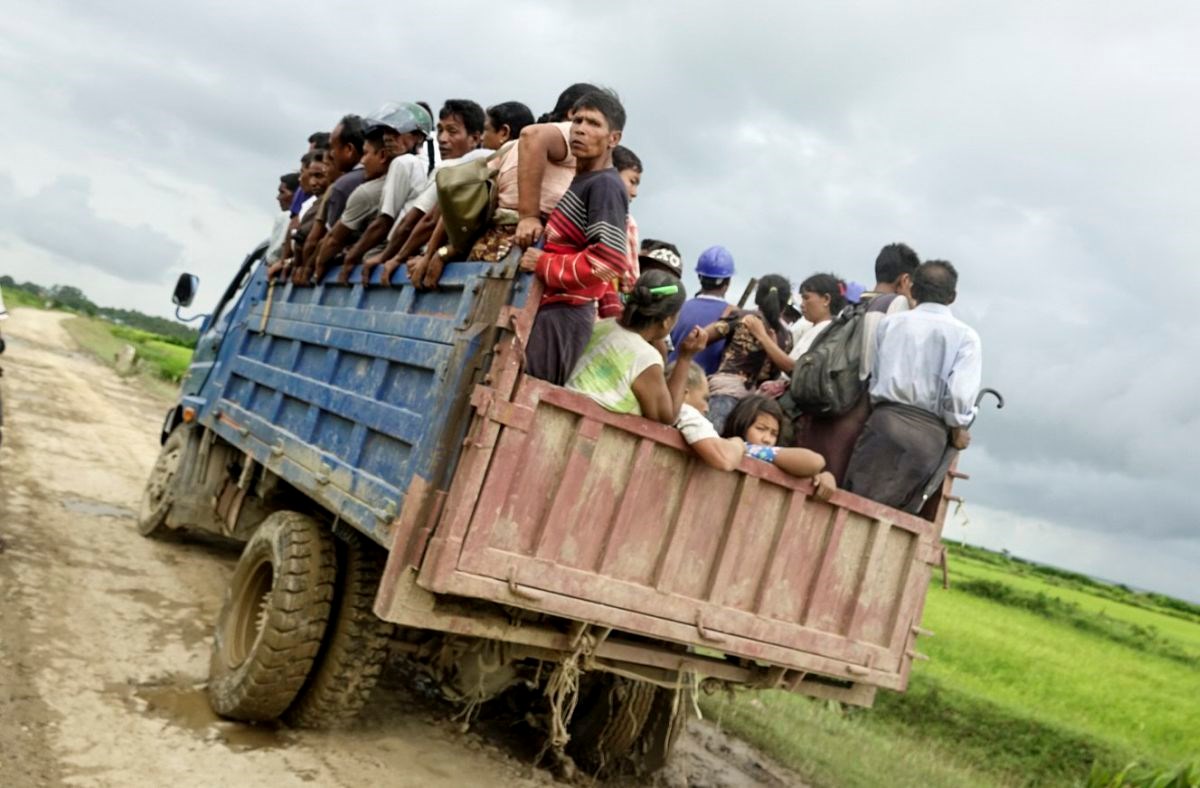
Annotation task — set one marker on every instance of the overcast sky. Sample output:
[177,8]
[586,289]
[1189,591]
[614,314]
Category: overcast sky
[1049,150]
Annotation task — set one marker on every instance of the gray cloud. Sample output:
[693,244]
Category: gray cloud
[60,219]
[1049,152]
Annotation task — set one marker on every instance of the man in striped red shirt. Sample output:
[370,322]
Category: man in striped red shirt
[586,247]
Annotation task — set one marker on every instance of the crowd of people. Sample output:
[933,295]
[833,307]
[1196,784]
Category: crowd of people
[871,390]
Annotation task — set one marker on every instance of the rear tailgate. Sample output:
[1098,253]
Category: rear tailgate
[562,507]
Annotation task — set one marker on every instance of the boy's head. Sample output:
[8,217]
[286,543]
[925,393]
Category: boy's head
[695,392]
[376,154]
[895,266]
[629,167]
[459,128]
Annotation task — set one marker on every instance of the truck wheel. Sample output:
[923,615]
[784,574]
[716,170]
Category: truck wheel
[668,717]
[355,647]
[159,494]
[275,613]
[606,725]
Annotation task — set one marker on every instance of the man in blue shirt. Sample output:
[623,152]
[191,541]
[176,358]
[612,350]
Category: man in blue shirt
[715,268]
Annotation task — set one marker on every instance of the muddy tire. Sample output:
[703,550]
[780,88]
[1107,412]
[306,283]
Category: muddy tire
[611,715]
[159,494]
[668,717]
[276,611]
[355,646]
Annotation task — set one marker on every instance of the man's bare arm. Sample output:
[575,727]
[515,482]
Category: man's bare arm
[539,145]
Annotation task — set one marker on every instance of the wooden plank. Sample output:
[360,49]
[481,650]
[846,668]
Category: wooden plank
[816,659]
[626,519]
[859,610]
[784,546]
[552,577]
[740,521]
[557,522]
[819,595]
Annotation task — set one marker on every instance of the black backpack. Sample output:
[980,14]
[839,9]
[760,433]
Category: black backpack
[826,379]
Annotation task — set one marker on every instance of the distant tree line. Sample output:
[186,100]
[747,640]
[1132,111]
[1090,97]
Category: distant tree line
[73,299]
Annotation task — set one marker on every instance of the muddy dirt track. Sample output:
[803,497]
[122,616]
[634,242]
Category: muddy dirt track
[104,635]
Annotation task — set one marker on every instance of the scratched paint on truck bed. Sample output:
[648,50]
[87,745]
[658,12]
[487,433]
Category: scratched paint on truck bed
[615,512]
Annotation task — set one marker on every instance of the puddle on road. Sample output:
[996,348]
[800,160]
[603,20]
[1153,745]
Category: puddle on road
[95,508]
[185,706]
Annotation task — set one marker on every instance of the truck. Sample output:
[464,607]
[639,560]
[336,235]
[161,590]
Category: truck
[404,491]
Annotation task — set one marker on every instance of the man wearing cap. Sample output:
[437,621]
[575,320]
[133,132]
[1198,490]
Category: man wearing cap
[405,127]
[715,269]
[660,256]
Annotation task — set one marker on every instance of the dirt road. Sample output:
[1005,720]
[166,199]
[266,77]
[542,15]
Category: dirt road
[104,636]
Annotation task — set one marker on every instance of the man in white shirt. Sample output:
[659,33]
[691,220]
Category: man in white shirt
[405,127]
[459,133]
[925,376]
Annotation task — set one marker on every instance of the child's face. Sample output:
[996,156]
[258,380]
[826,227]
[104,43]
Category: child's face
[697,396]
[633,179]
[764,431]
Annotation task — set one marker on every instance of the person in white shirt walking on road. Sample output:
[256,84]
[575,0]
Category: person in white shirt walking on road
[925,377]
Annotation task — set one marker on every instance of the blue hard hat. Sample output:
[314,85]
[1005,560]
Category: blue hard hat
[715,262]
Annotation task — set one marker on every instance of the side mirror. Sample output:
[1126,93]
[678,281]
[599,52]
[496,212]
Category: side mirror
[185,289]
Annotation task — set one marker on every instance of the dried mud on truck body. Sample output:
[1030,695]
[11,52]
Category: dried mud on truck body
[390,466]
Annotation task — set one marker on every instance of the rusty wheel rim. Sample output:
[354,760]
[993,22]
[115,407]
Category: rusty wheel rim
[248,616]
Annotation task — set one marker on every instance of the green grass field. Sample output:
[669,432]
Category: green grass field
[1034,680]
[161,362]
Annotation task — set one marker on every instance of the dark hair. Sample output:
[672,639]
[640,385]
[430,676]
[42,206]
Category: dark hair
[713,283]
[291,181]
[352,132]
[826,285]
[774,293]
[470,113]
[376,136]
[566,101]
[319,139]
[935,282]
[742,417]
[310,157]
[513,114]
[644,307]
[625,159]
[894,261]
[607,103]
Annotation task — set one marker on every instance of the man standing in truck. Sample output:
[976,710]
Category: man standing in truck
[714,268]
[585,242]
[926,374]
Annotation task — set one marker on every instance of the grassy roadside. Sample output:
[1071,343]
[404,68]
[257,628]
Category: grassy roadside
[160,364]
[16,298]
[1033,681]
